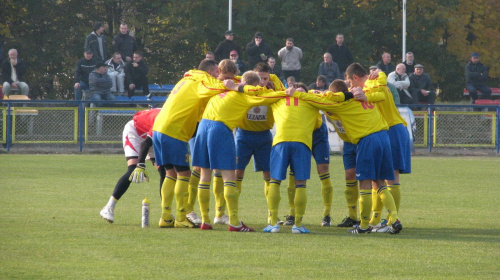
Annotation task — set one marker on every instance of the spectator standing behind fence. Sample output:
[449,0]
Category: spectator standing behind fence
[124,43]
[96,42]
[258,50]
[116,71]
[329,69]
[320,84]
[421,86]
[83,69]
[409,63]
[100,83]
[290,57]
[225,47]
[340,54]
[235,57]
[136,75]
[385,64]
[476,75]
[401,81]
[13,71]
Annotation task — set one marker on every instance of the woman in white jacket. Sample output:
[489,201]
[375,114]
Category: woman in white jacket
[402,82]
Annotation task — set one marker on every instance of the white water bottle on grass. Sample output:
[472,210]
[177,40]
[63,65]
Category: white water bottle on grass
[145,213]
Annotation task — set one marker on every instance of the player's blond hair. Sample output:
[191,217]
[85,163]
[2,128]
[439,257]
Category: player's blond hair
[228,66]
[251,78]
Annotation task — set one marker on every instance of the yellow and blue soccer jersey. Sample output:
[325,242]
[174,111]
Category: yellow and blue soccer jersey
[387,107]
[184,107]
[231,107]
[358,119]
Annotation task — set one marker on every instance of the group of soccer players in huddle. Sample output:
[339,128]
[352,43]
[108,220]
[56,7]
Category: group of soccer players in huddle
[220,120]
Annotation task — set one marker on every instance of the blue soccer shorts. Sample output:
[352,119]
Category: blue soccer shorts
[320,145]
[256,143]
[400,148]
[169,150]
[295,154]
[374,157]
[214,146]
[349,155]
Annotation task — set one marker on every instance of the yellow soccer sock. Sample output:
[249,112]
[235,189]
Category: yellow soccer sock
[377,207]
[220,203]
[388,201]
[365,207]
[194,180]
[326,192]
[300,204]
[231,196]
[273,201]
[396,194]
[266,186]
[351,196]
[204,201]
[167,196]
[181,192]
[291,193]
[239,182]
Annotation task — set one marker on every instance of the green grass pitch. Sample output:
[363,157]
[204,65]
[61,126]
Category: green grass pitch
[50,227]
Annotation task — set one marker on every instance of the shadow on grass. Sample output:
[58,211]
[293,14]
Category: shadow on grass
[484,235]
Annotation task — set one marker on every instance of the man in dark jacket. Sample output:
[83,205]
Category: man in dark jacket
[13,70]
[385,64]
[124,44]
[475,76]
[258,50]
[82,71]
[225,47]
[136,72]
[100,83]
[421,86]
[96,42]
[340,54]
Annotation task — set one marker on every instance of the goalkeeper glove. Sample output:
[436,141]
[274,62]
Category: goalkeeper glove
[139,174]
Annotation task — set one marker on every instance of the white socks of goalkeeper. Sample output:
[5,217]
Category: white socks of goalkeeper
[112,202]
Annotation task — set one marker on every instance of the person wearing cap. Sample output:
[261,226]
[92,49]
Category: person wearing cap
[421,87]
[100,83]
[258,50]
[392,88]
[235,57]
[225,47]
[83,69]
[290,56]
[476,75]
[96,42]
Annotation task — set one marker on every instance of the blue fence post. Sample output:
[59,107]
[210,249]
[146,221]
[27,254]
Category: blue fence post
[81,116]
[8,141]
[498,130]
[430,128]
